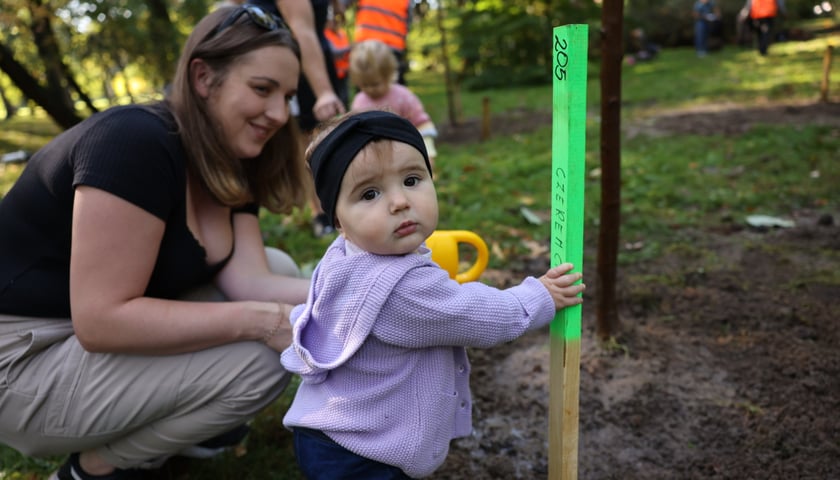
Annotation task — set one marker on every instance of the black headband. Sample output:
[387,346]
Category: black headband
[337,149]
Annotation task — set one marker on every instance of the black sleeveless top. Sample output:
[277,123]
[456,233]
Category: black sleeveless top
[131,151]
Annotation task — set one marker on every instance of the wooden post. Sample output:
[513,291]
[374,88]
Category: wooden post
[569,47]
[485,118]
[826,72]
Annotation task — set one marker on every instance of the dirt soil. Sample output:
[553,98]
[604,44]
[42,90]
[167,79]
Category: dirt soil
[722,369]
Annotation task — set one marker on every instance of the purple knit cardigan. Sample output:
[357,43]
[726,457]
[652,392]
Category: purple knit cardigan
[379,346]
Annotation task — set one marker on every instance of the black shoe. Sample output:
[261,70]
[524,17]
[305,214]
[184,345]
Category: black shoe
[218,444]
[320,226]
[71,470]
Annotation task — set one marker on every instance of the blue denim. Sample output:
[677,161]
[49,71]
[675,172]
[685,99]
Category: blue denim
[701,35]
[320,458]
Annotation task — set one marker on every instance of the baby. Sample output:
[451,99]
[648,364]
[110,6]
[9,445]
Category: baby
[380,343]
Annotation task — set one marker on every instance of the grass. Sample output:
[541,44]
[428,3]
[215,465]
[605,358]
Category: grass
[669,183]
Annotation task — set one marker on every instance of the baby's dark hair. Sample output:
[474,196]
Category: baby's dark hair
[338,141]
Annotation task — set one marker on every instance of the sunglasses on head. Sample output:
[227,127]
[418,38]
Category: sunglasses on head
[257,15]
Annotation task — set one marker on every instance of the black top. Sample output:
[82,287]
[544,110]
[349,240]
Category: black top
[305,95]
[133,152]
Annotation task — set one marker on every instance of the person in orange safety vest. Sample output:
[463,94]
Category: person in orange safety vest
[387,21]
[340,48]
[762,14]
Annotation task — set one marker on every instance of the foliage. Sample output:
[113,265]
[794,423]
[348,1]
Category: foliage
[669,22]
[515,53]
[670,183]
[94,50]
[518,40]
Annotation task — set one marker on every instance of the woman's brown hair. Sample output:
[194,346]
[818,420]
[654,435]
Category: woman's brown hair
[277,179]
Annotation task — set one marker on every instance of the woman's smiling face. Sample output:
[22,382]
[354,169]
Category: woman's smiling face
[252,101]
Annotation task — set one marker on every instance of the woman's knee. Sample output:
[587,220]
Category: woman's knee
[259,376]
[281,263]
[265,367]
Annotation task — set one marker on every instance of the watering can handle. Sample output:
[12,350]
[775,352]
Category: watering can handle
[477,268]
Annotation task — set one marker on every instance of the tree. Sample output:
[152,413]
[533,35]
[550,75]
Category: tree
[10,108]
[163,31]
[56,53]
[451,89]
[611,57]
[53,93]
[52,98]
[502,42]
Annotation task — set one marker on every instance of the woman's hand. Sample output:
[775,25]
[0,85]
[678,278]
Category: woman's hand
[300,17]
[327,105]
[278,332]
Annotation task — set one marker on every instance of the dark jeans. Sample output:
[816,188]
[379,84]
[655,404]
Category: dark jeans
[763,29]
[402,66]
[701,36]
[320,458]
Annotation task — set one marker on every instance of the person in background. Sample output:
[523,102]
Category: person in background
[340,49]
[639,48]
[380,342]
[318,97]
[387,21]
[705,12]
[373,71]
[762,14]
[140,313]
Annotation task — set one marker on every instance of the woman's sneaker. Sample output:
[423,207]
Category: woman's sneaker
[218,444]
[71,470]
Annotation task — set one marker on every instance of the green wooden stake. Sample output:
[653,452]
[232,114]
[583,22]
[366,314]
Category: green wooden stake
[568,165]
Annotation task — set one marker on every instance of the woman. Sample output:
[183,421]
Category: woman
[107,239]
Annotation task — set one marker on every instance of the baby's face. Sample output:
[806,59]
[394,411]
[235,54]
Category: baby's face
[387,203]
[374,88]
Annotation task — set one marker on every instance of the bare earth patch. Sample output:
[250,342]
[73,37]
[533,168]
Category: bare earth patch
[730,372]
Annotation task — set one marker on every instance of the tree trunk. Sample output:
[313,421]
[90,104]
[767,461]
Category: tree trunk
[163,31]
[48,50]
[83,96]
[7,105]
[611,54]
[54,102]
[451,93]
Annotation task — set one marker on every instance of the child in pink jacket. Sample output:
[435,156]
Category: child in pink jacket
[373,70]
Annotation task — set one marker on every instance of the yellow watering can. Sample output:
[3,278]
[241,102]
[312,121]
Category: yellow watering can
[444,247]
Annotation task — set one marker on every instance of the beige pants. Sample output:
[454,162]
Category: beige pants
[135,411]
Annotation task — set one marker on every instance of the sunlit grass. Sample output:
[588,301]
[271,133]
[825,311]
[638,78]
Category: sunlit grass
[678,79]
[27,132]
